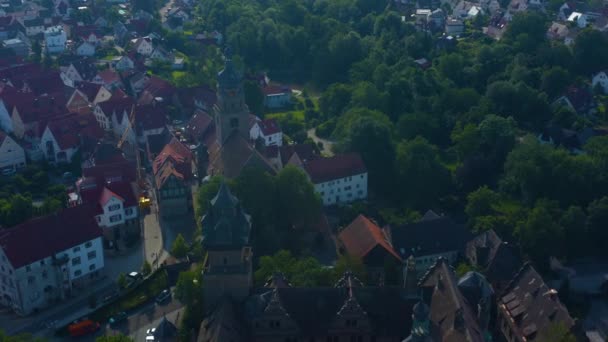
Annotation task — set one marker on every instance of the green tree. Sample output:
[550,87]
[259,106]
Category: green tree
[423,178]
[206,192]
[254,97]
[122,281]
[597,221]
[557,332]
[590,51]
[18,338]
[541,235]
[347,263]
[188,288]
[298,202]
[334,100]
[554,81]
[300,272]
[480,203]
[179,248]
[146,268]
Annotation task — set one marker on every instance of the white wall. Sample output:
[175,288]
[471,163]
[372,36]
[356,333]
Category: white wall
[601,79]
[343,190]
[111,218]
[275,139]
[11,154]
[48,136]
[7,280]
[6,124]
[91,258]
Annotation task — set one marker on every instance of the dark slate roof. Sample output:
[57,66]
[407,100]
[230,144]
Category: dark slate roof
[315,309]
[51,235]
[225,225]
[499,260]
[532,305]
[165,329]
[230,158]
[429,237]
[474,287]
[223,324]
[229,77]
[450,317]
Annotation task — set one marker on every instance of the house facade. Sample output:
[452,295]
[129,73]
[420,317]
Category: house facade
[600,79]
[276,96]
[339,179]
[37,273]
[268,131]
[172,170]
[55,150]
[12,155]
[55,39]
[85,49]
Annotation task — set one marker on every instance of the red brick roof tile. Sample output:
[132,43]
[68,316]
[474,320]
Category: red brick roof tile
[45,236]
[362,235]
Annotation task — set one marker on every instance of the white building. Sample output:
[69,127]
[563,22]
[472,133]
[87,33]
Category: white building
[579,18]
[56,149]
[338,179]
[143,46]
[85,49]
[117,206]
[276,97]
[6,123]
[12,155]
[42,260]
[601,79]
[55,39]
[268,130]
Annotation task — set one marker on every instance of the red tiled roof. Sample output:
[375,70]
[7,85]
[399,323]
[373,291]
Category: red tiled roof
[70,129]
[45,236]
[90,90]
[108,76]
[118,105]
[32,108]
[361,236]
[158,87]
[48,82]
[326,169]
[148,117]
[174,157]
[106,196]
[125,191]
[198,125]
[269,126]
[275,90]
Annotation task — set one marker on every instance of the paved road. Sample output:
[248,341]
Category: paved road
[327,145]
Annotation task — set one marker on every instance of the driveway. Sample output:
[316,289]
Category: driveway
[146,318]
[327,145]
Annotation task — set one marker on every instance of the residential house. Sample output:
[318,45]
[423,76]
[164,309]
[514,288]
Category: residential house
[276,96]
[600,81]
[190,99]
[528,308]
[467,10]
[339,179]
[296,154]
[161,54]
[80,70]
[173,175]
[40,272]
[498,260]
[199,126]
[85,49]
[116,204]
[121,32]
[429,239]
[55,39]
[8,27]
[20,47]
[108,78]
[113,115]
[149,120]
[101,22]
[268,131]
[143,46]
[62,8]
[30,113]
[436,19]
[364,240]
[122,63]
[454,26]
[445,313]
[66,135]
[33,27]
[578,99]
[579,19]
[108,164]
[12,155]
[156,89]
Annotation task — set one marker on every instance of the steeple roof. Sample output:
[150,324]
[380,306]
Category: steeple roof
[225,225]
[229,77]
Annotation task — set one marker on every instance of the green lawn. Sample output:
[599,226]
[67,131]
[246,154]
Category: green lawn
[297,114]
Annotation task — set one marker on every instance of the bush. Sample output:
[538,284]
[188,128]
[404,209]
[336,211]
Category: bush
[325,129]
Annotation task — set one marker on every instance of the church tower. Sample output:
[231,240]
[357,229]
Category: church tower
[231,112]
[226,231]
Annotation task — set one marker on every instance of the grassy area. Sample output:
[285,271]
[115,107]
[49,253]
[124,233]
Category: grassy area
[297,114]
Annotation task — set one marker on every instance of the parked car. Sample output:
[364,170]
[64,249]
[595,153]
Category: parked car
[118,318]
[163,296]
[83,328]
[150,335]
[8,172]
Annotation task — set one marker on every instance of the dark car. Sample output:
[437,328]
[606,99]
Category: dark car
[163,296]
[118,318]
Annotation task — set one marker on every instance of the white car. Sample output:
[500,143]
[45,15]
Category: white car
[150,335]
